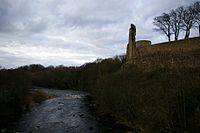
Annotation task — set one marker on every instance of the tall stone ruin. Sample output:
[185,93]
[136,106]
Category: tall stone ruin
[131,47]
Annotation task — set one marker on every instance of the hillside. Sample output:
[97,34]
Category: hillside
[159,91]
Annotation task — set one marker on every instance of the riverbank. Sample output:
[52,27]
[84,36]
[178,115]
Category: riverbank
[33,98]
[112,123]
[54,101]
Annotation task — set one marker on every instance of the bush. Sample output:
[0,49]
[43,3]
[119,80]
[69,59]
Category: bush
[13,87]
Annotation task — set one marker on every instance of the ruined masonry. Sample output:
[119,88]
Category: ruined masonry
[131,47]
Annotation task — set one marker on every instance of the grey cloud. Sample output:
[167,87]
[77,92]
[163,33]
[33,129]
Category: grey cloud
[5,25]
[21,16]
[91,13]
[89,28]
[147,10]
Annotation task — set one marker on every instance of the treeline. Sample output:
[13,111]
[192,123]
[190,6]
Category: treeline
[80,78]
[62,77]
[179,20]
[51,77]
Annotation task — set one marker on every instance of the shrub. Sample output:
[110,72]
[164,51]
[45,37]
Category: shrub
[13,87]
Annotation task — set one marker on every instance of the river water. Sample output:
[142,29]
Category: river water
[67,112]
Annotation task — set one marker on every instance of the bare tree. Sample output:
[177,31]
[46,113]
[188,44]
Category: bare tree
[163,25]
[196,7]
[188,22]
[176,18]
[180,19]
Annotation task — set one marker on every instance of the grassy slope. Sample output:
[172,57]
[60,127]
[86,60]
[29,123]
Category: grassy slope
[158,92]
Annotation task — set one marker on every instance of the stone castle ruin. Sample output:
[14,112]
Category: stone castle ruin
[143,43]
[131,51]
[137,48]
[131,47]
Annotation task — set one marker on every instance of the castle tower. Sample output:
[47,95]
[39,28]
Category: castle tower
[131,47]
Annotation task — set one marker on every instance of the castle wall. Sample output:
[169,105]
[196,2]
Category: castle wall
[144,48]
[180,45]
[195,40]
[143,43]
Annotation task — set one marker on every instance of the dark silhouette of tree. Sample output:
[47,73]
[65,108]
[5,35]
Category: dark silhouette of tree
[176,18]
[196,7]
[189,16]
[163,25]
[36,67]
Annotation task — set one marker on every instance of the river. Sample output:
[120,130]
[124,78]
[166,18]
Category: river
[66,112]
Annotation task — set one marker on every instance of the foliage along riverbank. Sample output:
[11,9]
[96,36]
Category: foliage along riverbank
[13,88]
[16,97]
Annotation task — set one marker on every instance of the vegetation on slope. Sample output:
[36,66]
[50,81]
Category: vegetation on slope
[158,92]
[13,88]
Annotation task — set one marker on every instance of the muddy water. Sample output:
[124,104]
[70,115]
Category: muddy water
[66,112]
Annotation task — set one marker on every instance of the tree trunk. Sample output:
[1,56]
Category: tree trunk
[187,34]
[199,30]
[176,38]
[169,38]
[177,34]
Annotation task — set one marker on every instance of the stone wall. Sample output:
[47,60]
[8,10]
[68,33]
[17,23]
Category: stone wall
[131,46]
[144,47]
[180,45]
[195,40]
[143,43]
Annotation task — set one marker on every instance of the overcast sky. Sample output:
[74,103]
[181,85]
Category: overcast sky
[72,32]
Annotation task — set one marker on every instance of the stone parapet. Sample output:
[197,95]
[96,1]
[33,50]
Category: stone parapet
[143,43]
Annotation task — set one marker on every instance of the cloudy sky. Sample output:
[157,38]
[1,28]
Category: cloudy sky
[72,32]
